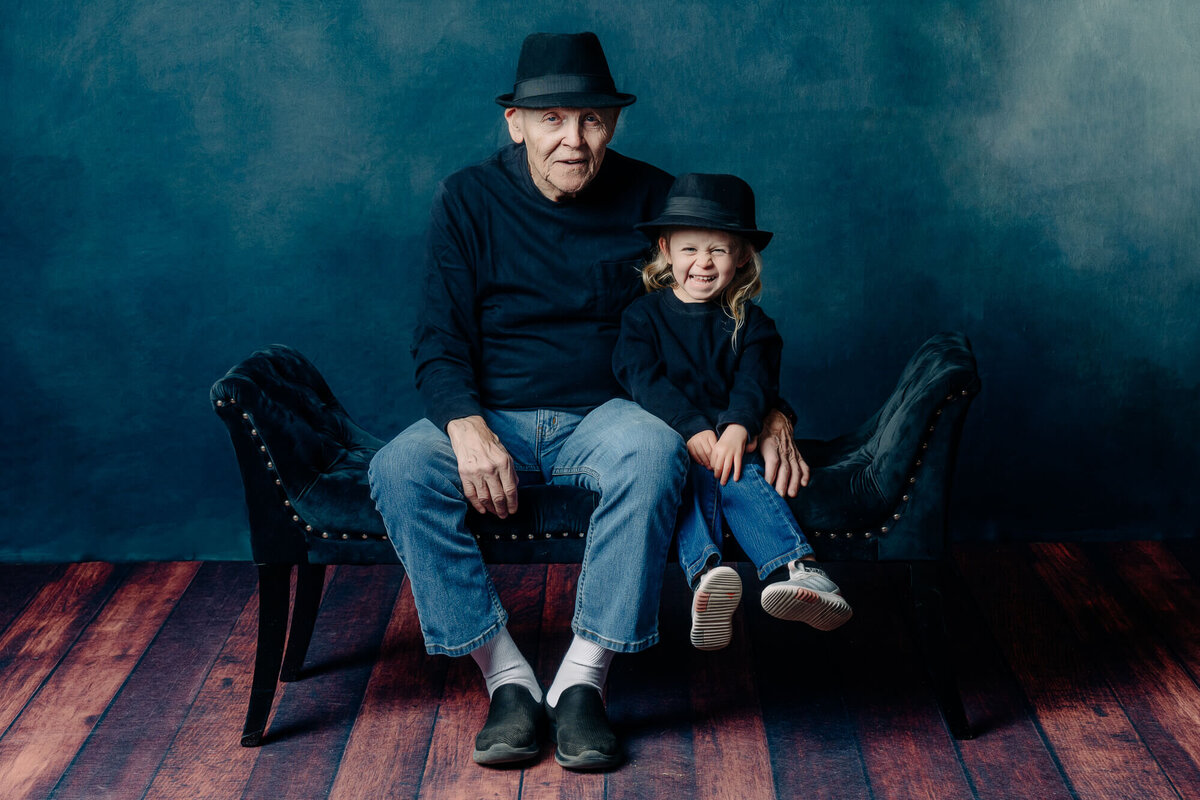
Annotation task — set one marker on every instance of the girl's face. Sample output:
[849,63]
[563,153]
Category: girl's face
[703,262]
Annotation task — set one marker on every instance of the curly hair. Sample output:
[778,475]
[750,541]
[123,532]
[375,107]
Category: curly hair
[745,286]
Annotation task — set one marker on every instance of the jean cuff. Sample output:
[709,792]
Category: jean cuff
[775,563]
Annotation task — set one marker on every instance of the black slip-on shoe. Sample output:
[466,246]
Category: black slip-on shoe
[579,727]
[513,728]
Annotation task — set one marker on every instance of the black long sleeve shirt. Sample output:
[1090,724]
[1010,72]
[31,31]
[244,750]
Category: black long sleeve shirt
[522,296]
[676,360]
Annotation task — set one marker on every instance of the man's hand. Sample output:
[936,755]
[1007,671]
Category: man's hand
[783,466]
[700,447]
[486,469]
[727,455]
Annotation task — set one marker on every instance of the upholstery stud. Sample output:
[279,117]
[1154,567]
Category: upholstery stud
[895,516]
[254,432]
[245,415]
[883,529]
[287,503]
[271,465]
[220,404]
[295,517]
[345,536]
[324,534]
[308,528]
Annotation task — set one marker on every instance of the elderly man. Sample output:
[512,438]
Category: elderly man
[531,258]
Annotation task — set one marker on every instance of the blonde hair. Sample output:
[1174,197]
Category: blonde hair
[745,286]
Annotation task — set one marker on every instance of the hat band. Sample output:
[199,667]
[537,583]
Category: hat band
[707,210]
[563,84]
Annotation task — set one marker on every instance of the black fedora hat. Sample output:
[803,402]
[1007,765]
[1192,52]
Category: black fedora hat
[566,70]
[718,202]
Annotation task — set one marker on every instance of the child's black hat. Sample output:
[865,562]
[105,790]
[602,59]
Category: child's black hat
[718,202]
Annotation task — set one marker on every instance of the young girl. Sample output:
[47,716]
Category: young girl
[698,354]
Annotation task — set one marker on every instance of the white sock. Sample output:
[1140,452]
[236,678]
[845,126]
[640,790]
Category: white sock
[501,662]
[585,662]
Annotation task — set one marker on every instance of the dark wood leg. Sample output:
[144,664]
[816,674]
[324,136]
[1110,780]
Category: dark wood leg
[928,591]
[273,599]
[310,580]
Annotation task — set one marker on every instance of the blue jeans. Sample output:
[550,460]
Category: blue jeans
[758,517]
[632,459]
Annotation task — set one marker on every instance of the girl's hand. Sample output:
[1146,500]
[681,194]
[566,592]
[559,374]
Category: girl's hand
[700,448]
[727,454]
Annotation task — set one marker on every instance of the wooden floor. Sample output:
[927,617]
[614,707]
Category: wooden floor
[1079,666]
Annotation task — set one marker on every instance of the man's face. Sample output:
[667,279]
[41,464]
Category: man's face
[564,145]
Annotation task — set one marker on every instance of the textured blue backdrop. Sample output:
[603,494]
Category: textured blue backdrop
[184,182]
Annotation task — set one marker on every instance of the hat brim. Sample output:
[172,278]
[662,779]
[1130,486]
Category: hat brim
[652,229]
[568,100]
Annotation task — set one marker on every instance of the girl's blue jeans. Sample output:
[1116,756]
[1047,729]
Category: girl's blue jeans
[758,517]
[634,461]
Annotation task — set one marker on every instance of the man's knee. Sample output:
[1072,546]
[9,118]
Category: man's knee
[414,455]
[651,449]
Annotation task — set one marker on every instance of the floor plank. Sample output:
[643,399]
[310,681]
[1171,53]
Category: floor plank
[1154,690]
[20,583]
[801,675]
[34,643]
[126,747]
[389,744]
[51,729]
[314,715]
[1004,724]
[907,750]
[1100,752]
[727,718]
[205,760]
[649,705]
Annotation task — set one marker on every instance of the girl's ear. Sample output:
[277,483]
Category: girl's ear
[663,244]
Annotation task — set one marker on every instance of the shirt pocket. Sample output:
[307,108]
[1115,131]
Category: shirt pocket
[616,284]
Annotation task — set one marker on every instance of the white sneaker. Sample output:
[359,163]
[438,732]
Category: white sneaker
[809,596]
[717,597]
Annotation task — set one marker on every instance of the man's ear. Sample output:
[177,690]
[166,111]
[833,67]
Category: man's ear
[514,120]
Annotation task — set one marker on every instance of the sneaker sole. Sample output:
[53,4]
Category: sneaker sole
[713,605]
[822,610]
[500,753]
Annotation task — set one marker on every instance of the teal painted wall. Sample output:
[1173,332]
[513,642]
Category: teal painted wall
[184,182]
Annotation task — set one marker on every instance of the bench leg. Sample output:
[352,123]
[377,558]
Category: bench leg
[310,580]
[928,591]
[274,591]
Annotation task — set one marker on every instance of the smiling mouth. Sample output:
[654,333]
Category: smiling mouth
[703,278]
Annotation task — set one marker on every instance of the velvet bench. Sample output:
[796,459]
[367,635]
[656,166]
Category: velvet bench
[878,494]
